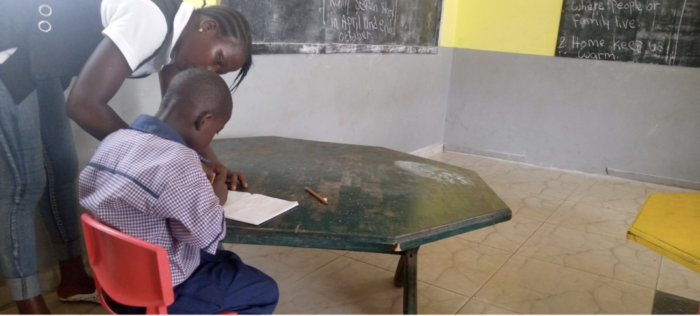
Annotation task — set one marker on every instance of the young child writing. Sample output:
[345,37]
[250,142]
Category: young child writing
[147,181]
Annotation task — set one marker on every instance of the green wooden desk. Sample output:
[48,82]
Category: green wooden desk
[380,200]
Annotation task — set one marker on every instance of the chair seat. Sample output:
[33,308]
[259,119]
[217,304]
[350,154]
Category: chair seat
[668,224]
[135,270]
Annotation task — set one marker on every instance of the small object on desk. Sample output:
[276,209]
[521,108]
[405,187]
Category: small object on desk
[254,208]
[322,199]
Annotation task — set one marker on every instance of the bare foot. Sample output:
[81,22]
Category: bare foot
[34,305]
[74,279]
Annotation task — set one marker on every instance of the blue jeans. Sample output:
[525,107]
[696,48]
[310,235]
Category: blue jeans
[38,167]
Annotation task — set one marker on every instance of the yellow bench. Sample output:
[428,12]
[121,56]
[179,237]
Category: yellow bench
[669,223]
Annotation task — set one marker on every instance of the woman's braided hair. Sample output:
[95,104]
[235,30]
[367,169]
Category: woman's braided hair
[232,23]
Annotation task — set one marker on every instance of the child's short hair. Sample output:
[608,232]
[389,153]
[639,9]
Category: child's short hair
[198,89]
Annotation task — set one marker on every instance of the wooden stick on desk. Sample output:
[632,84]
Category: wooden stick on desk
[324,200]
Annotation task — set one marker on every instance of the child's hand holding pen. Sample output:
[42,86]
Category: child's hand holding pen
[232,177]
[220,187]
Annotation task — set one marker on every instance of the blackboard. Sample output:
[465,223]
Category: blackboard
[665,32]
[341,26]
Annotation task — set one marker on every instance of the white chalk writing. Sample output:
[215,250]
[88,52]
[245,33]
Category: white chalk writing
[361,21]
[608,29]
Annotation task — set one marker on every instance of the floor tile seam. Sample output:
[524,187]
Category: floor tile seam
[621,240]
[609,208]
[589,272]
[658,280]
[544,179]
[380,268]
[447,290]
[528,218]
[529,237]
[585,231]
[547,221]
[485,245]
[535,232]
[550,215]
[417,281]
[492,275]
[494,304]
[658,274]
[501,249]
[522,195]
[429,283]
[462,295]
[572,192]
[310,273]
[376,266]
[681,296]
[653,299]
[463,305]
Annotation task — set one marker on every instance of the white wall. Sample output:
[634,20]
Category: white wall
[396,101]
[576,114]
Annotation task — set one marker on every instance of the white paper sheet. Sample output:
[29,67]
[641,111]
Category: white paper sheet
[254,208]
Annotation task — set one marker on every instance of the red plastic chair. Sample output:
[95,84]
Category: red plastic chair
[134,272]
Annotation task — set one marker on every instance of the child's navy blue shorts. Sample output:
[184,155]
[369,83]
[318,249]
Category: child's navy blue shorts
[221,283]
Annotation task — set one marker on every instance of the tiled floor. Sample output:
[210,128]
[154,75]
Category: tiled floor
[564,252]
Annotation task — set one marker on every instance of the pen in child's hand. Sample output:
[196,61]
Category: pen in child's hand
[212,178]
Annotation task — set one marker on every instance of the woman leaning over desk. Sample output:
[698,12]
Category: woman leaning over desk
[43,44]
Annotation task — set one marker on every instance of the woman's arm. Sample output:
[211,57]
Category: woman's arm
[99,80]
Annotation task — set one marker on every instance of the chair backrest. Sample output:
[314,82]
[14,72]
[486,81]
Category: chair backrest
[132,271]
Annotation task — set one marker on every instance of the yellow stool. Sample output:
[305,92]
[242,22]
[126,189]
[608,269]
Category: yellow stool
[669,223]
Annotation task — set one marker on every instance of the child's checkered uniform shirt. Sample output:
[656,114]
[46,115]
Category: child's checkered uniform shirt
[146,183]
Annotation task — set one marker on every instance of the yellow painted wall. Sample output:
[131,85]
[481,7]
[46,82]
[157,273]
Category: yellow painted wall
[515,26]
[448,27]
[198,3]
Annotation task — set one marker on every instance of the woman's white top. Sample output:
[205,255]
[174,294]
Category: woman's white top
[138,28]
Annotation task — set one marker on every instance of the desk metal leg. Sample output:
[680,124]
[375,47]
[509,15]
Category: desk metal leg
[407,276]
[400,273]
